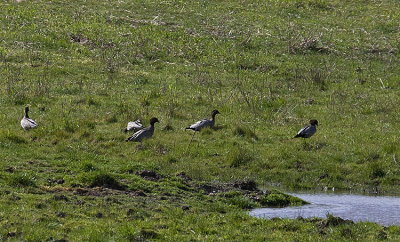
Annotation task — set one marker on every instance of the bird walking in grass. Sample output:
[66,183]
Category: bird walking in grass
[133,125]
[26,122]
[309,130]
[144,133]
[199,125]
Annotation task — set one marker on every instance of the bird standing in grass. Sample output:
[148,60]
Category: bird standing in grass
[26,122]
[133,125]
[144,133]
[308,130]
[199,125]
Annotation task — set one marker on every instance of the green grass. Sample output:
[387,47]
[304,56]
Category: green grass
[87,68]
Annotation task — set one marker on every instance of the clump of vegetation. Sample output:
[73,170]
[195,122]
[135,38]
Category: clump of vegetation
[242,202]
[239,157]
[88,166]
[376,170]
[105,180]
[22,180]
[245,132]
[279,199]
[146,234]
[11,137]
[332,221]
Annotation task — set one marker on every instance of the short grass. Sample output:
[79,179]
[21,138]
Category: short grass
[87,68]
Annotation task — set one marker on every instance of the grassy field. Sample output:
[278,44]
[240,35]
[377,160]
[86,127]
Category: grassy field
[86,68]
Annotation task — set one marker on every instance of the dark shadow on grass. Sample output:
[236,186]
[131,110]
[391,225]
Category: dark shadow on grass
[107,181]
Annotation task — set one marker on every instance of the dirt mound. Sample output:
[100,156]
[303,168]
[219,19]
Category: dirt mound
[249,185]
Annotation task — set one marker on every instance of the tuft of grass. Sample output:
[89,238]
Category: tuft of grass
[245,132]
[22,180]
[146,234]
[239,157]
[242,202]
[69,126]
[88,166]
[11,137]
[104,180]
[376,170]
[279,199]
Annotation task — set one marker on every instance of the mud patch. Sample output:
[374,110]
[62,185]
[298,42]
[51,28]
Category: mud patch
[185,177]
[249,185]
[149,175]
[79,38]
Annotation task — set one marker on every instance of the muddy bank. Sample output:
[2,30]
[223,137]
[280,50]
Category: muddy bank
[242,193]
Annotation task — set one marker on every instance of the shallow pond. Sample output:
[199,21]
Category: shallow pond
[384,210]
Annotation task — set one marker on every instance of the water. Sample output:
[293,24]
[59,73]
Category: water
[383,210]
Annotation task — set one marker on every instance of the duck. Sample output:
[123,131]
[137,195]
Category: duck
[309,130]
[133,125]
[26,122]
[144,133]
[199,125]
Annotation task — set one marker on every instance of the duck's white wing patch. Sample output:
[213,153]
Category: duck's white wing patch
[134,125]
[28,123]
[200,124]
[136,136]
[307,131]
[303,130]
